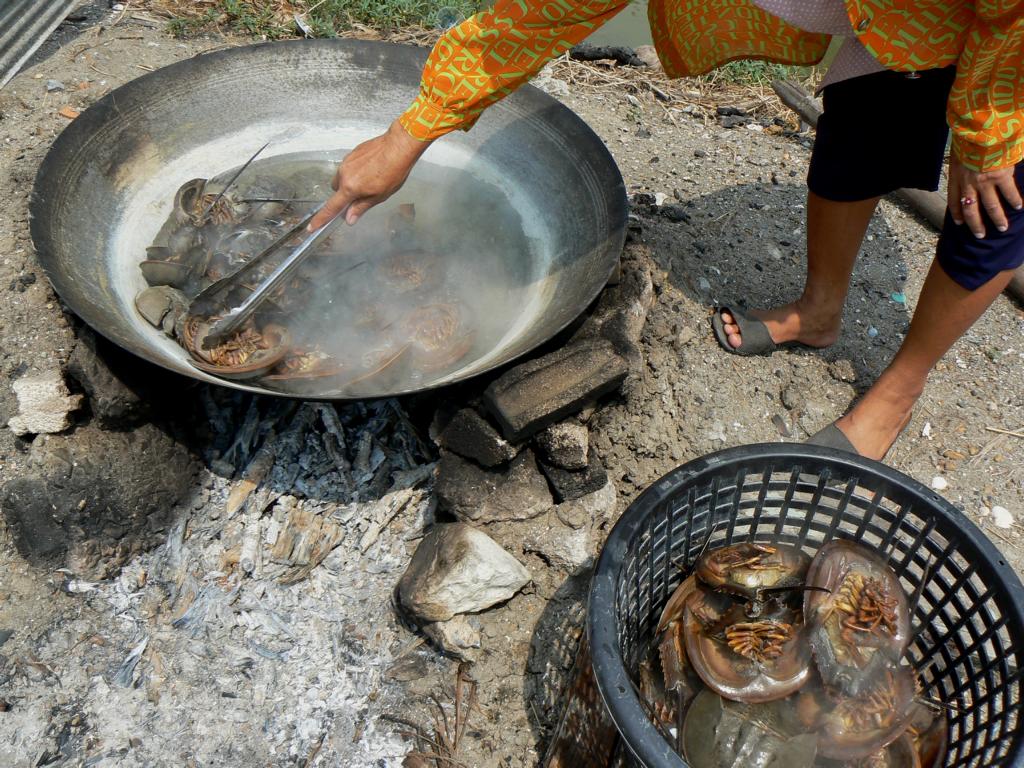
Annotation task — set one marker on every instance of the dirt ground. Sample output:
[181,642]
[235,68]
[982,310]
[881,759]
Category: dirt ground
[741,239]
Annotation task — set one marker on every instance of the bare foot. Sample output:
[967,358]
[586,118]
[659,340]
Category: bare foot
[815,327]
[878,418]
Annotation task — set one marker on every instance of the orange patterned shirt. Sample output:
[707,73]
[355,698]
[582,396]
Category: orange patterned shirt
[492,53]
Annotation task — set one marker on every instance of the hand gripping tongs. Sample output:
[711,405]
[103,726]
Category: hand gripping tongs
[211,301]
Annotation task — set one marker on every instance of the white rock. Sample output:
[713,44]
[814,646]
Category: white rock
[456,637]
[44,405]
[1002,517]
[458,569]
[660,198]
[552,86]
[926,430]
[939,483]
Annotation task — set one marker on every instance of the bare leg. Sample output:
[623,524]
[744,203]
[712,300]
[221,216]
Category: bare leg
[944,312]
[834,234]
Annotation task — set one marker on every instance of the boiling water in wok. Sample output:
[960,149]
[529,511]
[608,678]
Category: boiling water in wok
[421,287]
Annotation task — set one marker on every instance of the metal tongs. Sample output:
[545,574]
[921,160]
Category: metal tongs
[210,302]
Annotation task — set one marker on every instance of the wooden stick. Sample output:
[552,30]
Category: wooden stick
[1009,432]
[930,205]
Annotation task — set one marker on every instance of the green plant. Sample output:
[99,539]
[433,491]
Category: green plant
[274,19]
[754,72]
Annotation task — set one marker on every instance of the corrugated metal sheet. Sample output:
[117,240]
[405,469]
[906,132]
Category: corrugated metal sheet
[24,26]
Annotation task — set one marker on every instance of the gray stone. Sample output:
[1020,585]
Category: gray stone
[568,549]
[570,536]
[458,569]
[94,498]
[570,484]
[114,404]
[456,637]
[44,404]
[471,493]
[675,212]
[540,392]
[522,494]
[470,435]
[649,56]
[54,85]
[592,509]
[462,486]
[621,314]
[565,445]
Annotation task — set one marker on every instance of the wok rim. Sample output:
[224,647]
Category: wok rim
[45,192]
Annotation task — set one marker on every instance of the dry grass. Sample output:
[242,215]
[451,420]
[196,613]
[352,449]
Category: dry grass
[703,94]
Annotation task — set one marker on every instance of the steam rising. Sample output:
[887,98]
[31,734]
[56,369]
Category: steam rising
[421,287]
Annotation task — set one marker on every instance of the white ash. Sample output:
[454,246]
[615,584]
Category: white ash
[200,661]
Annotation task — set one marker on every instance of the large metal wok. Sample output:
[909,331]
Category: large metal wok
[105,187]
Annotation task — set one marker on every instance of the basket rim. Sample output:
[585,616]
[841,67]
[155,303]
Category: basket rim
[616,688]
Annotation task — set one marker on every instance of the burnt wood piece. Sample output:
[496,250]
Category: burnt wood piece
[470,435]
[618,53]
[930,205]
[569,484]
[540,392]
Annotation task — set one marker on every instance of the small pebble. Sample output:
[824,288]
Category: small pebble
[939,483]
[872,332]
[54,85]
[926,430]
[899,298]
[704,284]
[1002,517]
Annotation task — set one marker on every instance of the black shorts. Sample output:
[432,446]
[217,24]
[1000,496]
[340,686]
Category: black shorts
[886,131]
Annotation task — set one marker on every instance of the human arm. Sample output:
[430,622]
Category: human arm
[986,115]
[473,65]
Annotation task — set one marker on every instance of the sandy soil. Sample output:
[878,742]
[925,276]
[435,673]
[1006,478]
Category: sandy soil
[742,239]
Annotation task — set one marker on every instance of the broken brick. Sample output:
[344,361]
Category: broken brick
[540,392]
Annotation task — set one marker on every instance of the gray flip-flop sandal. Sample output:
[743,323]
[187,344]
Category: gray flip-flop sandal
[832,437]
[756,339]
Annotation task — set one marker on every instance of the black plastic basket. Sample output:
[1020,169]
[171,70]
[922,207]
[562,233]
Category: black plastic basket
[969,621]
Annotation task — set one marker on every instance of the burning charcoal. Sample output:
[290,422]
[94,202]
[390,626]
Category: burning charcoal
[540,392]
[569,484]
[471,436]
[458,569]
[566,445]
